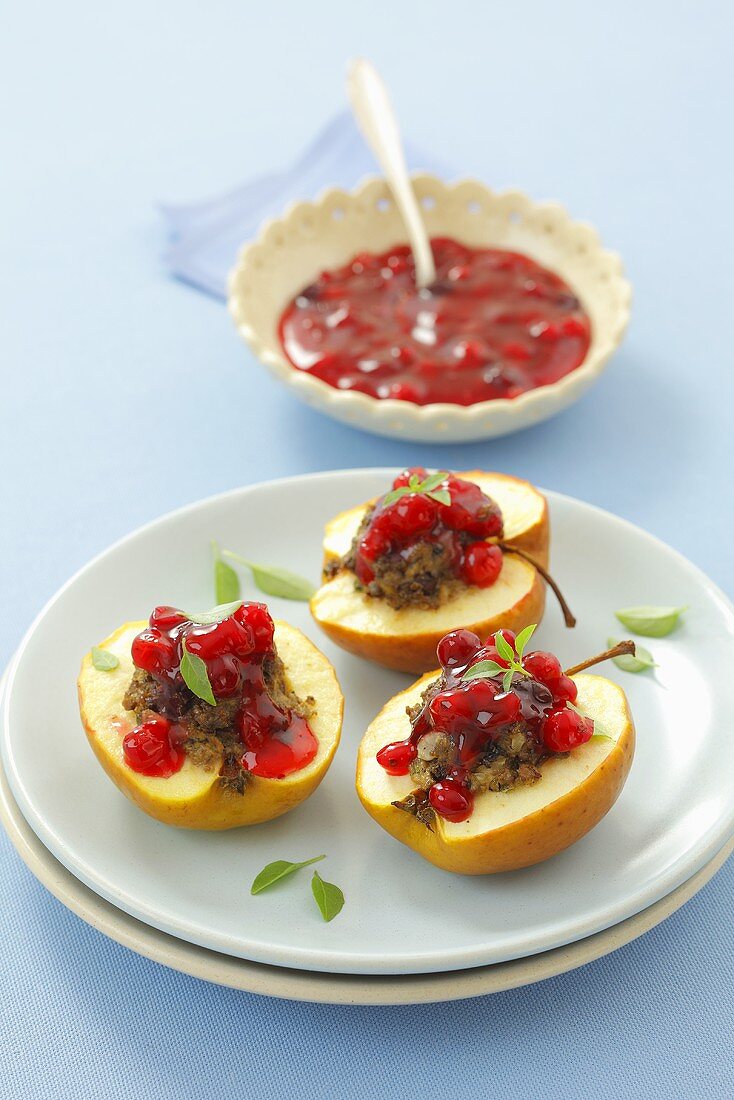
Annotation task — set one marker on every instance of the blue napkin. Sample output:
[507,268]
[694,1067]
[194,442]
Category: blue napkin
[204,238]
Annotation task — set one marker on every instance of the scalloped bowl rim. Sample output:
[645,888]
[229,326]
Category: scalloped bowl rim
[379,408]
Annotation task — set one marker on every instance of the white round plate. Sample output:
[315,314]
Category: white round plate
[304,985]
[402,916]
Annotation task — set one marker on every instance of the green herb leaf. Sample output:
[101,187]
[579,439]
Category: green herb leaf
[433,481]
[103,660]
[504,648]
[441,496]
[429,487]
[329,897]
[195,675]
[275,581]
[396,494]
[523,638]
[484,668]
[507,679]
[652,622]
[226,581]
[637,662]
[274,872]
[216,615]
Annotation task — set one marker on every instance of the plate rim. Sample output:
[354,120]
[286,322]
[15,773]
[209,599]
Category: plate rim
[314,987]
[327,960]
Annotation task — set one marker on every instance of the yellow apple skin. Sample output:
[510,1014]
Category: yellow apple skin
[507,830]
[193,798]
[406,640]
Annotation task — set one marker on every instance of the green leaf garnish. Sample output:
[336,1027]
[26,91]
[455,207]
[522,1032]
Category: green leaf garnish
[226,581]
[637,662]
[216,615]
[278,870]
[507,653]
[103,660]
[429,487]
[651,622]
[504,648]
[484,668]
[195,675]
[275,581]
[523,638]
[329,897]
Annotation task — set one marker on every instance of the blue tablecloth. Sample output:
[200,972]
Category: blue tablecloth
[126,394]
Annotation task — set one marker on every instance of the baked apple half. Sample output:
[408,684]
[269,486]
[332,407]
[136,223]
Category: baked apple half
[434,553]
[211,721]
[499,760]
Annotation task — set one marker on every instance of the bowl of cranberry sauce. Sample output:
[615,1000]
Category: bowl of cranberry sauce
[524,313]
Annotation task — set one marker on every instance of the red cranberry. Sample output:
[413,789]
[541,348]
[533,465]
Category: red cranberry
[565,729]
[224,675]
[376,542]
[452,801]
[543,666]
[166,618]
[154,652]
[257,618]
[564,690]
[508,635]
[470,510]
[452,710]
[228,636]
[482,564]
[148,749]
[457,648]
[397,757]
[411,516]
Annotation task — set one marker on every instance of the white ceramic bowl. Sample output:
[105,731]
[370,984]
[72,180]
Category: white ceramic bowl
[291,251]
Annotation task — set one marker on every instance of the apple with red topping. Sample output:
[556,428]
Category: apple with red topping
[500,759]
[435,552]
[212,720]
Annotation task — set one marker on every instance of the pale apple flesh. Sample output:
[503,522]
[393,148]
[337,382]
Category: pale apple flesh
[511,829]
[193,797]
[406,639]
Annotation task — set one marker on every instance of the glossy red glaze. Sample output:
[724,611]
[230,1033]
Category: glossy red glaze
[474,712]
[494,324]
[276,741]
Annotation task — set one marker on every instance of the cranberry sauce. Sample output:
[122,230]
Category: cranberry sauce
[473,713]
[276,741]
[494,324]
[460,526]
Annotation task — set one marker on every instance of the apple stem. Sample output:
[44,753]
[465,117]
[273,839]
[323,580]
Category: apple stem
[568,616]
[619,650]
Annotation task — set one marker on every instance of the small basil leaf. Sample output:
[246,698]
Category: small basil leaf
[216,615]
[483,668]
[329,897]
[651,622]
[395,494]
[637,662]
[507,680]
[523,638]
[600,731]
[196,677]
[274,872]
[275,581]
[503,647]
[441,496]
[103,660]
[432,482]
[226,581]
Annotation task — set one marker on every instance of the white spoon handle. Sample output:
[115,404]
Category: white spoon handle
[376,118]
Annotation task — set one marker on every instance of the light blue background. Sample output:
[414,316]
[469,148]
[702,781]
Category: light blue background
[125,394]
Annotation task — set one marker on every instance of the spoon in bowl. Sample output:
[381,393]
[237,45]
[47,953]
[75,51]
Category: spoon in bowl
[376,119]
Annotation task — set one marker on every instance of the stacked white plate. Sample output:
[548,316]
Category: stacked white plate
[408,931]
